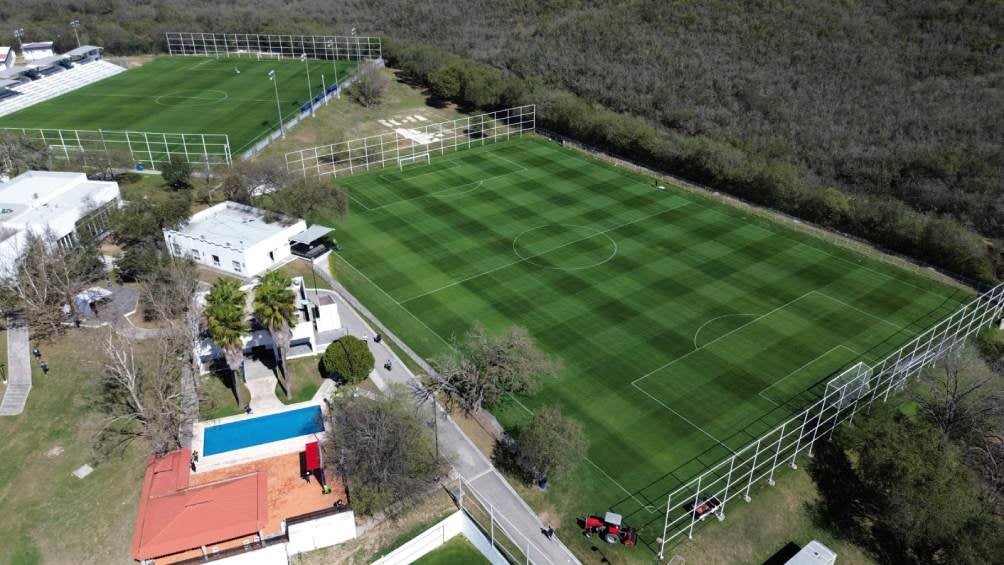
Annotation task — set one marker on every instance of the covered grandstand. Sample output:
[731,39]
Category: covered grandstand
[51,76]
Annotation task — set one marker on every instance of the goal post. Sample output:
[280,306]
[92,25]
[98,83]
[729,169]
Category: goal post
[422,158]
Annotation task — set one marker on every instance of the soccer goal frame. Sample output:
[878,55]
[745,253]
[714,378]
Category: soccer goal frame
[409,159]
[386,149]
[270,46]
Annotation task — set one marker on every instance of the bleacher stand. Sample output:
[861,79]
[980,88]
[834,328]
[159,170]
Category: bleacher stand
[55,80]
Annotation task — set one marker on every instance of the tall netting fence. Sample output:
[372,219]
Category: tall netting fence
[856,388]
[408,143]
[128,148]
[269,46]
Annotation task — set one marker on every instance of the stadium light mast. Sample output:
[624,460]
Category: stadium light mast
[310,89]
[18,34]
[324,90]
[334,65]
[75,24]
[272,76]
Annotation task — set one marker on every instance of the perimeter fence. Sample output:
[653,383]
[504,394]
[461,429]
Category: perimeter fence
[269,46]
[858,387]
[149,148]
[409,140]
[505,536]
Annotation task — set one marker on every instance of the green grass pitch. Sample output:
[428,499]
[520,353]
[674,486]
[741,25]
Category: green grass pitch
[687,327]
[187,95]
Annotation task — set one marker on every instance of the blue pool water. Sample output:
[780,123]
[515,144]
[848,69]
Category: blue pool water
[265,429]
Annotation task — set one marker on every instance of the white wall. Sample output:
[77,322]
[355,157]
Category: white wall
[455,524]
[322,532]
[257,255]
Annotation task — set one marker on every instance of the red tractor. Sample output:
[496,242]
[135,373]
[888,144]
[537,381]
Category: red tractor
[611,528]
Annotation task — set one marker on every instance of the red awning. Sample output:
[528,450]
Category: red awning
[313,456]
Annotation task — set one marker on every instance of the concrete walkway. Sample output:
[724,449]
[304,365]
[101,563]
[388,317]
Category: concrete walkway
[261,381]
[459,450]
[18,369]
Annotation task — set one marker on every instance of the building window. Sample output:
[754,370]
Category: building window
[195,254]
[271,256]
[177,250]
[216,260]
[237,267]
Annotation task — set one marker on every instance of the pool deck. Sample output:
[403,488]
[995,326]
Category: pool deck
[246,455]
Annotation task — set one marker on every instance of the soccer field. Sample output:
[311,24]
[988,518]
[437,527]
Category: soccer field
[687,327]
[187,95]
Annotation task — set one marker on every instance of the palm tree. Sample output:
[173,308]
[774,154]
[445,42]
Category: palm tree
[228,325]
[275,308]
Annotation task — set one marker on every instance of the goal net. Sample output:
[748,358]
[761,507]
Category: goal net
[420,158]
[849,386]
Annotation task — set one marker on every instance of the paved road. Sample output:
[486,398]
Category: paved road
[18,369]
[525,528]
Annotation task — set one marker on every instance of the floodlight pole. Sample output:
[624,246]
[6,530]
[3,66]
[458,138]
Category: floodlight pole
[75,24]
[334,65]
[310,89]
[324,90]
[274,77]
[18,34]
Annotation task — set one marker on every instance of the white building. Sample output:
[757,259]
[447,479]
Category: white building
[235,238]
[68,205]
[6,58]
[36,50]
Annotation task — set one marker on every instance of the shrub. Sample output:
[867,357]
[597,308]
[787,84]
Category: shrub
[349,359]
[177,172]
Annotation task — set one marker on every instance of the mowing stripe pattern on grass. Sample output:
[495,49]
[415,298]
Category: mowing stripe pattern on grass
[687,328]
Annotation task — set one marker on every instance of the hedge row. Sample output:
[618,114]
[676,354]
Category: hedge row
[723,166]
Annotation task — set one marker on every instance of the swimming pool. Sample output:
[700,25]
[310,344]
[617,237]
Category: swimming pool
[264,429]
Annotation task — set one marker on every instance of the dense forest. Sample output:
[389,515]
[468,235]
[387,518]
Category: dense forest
[883,119]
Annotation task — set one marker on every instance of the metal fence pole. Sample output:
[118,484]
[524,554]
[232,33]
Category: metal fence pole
[773,464]
[693,511]
[749,485]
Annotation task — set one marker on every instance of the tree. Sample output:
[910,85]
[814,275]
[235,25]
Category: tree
[141,388]
[302,197]
[227,324]
[20,153]
[370,86]
[167,288]
[961,394]
[348,358]
[143,220]
[483,368]
[177,172]
[382,450]
[275,308]
[46,276]
[898,486]
[244,180]
[550,445]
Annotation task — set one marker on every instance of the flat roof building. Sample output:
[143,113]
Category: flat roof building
[67,205]
[235,238]
[6,57]
[36,50]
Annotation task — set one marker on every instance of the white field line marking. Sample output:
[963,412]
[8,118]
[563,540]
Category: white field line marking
[718,318]
[810,362]
[450,164]
[528,257]
[378,287]
[682,417]
[723,336]
[436,193]
[357,201]
[180,97]
[869,314]
[648,507]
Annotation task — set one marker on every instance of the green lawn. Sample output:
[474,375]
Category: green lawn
[687,327]
[306,376]
[49,515]
[457,551]
[187,95]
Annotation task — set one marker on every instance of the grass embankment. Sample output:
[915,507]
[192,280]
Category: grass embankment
[457,551]
[50,516]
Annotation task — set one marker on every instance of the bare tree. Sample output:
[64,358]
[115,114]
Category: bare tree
[961,394]
[47,275]
[370,86]
[247,179]
[19,153]
[382,450]
[141,388]
[987,459]
[484,368]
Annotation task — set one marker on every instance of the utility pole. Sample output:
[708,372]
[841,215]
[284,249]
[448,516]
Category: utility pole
[334,65]
[75,24]
[272,76]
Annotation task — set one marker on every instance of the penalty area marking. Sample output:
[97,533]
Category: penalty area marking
[810,362]
[698,332]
